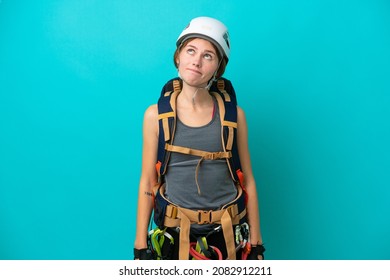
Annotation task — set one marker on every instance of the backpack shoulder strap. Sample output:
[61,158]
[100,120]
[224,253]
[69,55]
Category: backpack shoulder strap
[166,121]
[227,103]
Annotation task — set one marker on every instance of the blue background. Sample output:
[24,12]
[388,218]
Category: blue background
[76,77]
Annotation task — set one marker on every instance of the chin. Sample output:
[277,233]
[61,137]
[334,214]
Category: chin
[194,82]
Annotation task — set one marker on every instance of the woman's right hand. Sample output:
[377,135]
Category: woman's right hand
[143,254]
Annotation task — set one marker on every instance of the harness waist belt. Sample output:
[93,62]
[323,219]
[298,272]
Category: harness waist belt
[174,213]
[228,216]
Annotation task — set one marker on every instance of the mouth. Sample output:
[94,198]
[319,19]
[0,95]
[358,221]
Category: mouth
[194,71]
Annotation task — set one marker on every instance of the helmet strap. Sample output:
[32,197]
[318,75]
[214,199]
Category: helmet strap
[193,97]
[213,79]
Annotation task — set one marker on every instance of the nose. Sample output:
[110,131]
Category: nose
[197,61]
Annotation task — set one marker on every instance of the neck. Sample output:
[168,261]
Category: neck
[197,96]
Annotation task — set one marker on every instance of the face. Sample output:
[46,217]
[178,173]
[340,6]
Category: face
[197,62]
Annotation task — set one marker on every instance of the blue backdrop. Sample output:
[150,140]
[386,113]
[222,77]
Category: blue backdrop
[76,77]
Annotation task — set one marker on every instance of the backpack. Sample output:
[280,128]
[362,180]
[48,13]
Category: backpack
[224,92]
[167,214]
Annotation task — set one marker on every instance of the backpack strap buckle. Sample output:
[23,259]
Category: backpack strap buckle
[204,217]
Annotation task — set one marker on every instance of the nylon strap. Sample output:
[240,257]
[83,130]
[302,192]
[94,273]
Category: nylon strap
[229,143]
[184,244]
[176,85]
[167,135]
[221,87]
[202,154]
[184,217]
[185,224]
[173,215]
[199,153]
[176,216]
[230,125]
[226,222]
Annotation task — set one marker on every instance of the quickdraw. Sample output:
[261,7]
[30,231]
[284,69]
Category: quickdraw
[243,240]
[157,237]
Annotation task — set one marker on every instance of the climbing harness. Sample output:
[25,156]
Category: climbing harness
[229,215]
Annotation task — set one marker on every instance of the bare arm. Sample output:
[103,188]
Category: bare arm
[148,176]
[250,184]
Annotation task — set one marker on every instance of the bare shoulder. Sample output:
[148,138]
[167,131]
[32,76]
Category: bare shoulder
[151,121]
[240,115]
[151,113]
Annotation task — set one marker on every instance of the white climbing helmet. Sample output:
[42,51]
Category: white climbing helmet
[210,29]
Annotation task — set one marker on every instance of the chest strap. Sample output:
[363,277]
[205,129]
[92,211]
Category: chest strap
[204,155]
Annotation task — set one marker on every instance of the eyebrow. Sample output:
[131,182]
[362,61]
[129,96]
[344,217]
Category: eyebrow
[210,51]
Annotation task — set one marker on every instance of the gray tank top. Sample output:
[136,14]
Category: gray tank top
[216,186]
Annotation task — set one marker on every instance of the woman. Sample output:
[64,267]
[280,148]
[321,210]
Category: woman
[201,56]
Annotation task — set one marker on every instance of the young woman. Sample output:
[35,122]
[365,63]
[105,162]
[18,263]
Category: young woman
[192,182]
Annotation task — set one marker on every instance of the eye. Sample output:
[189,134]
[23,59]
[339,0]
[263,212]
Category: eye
[208,56]
[190,51]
